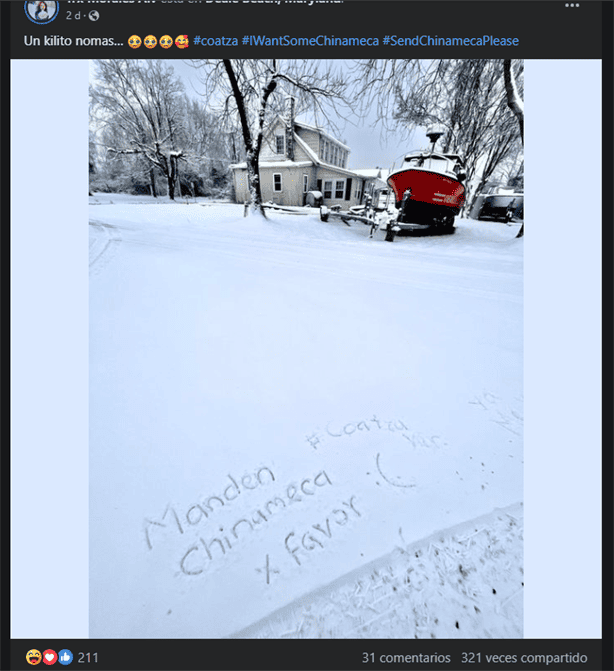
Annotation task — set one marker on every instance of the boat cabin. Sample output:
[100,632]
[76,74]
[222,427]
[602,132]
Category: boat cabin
[447,164]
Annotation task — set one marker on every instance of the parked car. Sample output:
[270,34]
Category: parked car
[502,203]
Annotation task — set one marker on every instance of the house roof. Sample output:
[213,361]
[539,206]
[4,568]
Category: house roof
[286,163]
[320,131]
[307,149]
[373,173]
[297,164]
[314,159]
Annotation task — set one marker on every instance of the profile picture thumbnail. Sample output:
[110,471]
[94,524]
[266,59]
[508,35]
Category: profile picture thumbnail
[41,12]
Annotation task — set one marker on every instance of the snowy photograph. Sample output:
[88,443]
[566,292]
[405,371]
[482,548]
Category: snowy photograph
[306,349]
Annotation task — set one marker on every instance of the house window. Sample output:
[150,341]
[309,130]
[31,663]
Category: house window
[339,189]
[358,192]
[305,183]
[276,181]
[328,189]
[336,156]
[326,151]
[321,149]
[280,144]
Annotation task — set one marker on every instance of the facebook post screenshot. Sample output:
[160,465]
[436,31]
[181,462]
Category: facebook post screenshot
[287,391]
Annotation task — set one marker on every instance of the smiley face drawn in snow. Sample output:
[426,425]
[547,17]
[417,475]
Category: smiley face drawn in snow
[134,41]
[150,41]
[166,41]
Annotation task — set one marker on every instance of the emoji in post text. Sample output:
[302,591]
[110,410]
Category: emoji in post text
[134,41]
[166,41]
[33,657]
[150,41]
[182,41]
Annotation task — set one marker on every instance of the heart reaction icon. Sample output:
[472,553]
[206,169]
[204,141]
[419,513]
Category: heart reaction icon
[50,657]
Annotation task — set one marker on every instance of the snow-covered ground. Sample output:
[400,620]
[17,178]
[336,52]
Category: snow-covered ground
[276,405]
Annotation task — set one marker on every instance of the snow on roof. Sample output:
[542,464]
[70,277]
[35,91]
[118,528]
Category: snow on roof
[373,172]
[297,164]
[307,149]
[316,129]
[287,163]
[273,164]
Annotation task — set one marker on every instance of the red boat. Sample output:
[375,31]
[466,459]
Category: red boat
[428,190]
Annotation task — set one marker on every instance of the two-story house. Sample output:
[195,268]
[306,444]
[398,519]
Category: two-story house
[296,158]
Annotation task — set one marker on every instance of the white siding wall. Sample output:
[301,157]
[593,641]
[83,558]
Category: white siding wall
[328,174]
[310,138]
[268,152]
[292,176]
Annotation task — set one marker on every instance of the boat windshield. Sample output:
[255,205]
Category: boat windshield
[431,162]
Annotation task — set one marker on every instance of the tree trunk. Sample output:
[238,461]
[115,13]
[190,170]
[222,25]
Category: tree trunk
[476,195]
[178,191]
[172,176]
[253,182]
[253,176]
[514,103]
[513,99]
[152,178]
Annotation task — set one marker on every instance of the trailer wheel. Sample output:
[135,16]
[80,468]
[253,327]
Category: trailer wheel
[448,226]
[324,213]
[390,233]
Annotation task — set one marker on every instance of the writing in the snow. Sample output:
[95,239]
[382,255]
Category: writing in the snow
[174,522]
[212,548]
[500,413]
[213,540]
[336,430]
[318,534]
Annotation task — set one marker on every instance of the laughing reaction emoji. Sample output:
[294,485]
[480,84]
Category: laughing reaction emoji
[33,657]
[150,41]
[134,41]
[166,41]
[182,41]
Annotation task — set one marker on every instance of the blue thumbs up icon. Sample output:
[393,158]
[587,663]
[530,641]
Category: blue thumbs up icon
[65,657]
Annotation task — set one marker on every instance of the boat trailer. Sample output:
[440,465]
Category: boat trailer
[365,214]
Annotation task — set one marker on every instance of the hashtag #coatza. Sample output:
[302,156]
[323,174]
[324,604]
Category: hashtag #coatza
[216,41]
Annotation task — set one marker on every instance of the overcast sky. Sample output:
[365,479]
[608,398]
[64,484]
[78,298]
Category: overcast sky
[368,148]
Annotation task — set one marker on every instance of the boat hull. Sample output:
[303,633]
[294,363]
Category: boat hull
[428,188]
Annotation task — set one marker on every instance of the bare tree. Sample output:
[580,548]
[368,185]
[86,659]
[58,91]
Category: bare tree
[210,147]
[113,172]
[516,104]
[141,101]
[514,100]
[466,97]
[255,90]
